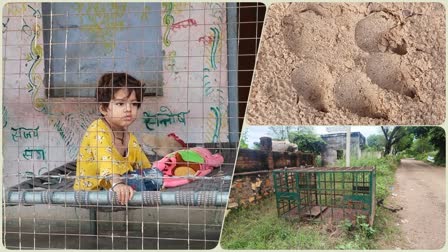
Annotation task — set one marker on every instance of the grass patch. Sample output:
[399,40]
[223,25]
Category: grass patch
[259,227]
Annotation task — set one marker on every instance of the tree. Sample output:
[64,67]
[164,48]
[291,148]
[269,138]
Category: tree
[284,132]
[422,145]
[308,142]
[243,140]
[376,142]
[393,136]
[438,139]
[280,132]
[435,136]
[404,143]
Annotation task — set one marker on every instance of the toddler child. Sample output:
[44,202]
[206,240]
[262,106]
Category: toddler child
[109,155]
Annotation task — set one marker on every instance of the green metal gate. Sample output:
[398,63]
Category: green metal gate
[334,193]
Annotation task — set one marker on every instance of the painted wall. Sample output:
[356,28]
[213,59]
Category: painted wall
[41,133]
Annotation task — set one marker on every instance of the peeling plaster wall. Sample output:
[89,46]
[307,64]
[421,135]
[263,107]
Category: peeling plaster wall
[41,133]
[338,142]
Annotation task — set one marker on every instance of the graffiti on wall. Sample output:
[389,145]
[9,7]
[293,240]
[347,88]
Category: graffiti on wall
[102,21]
[207,82]
[34,59]
[164,117]
[212,42]
[34,154]
[179,8]
[218,123]
[71,129]
[36,12]
[218,14]
[168,21]
[101,24]
[213,48]
[16,9]
[183,24]
[24,133]
[217,11]
[170,63]
[64,133]
[216,40]
[206,40]
[5,25]
[5,116]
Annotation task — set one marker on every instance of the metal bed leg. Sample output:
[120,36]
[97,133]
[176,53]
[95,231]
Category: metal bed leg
[93,221]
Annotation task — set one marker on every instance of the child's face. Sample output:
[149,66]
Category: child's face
[122,109]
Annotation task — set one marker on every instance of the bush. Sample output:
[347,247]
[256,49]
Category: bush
[360,234]
[385,170]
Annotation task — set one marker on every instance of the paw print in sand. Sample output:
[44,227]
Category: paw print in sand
[384,66]
[353,61]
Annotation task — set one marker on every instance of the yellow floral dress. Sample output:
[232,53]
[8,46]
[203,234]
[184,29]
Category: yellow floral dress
[98,157]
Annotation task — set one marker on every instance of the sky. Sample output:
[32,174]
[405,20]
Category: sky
[255,132]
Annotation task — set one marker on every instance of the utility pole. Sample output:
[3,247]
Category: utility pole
[347,147]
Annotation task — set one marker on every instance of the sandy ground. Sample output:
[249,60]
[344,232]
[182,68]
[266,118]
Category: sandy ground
[350,63]
[420,190]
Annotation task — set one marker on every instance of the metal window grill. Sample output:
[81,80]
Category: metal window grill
[325,193]
[204,60]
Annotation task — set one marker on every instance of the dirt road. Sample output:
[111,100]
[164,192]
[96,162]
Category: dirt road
[420,190]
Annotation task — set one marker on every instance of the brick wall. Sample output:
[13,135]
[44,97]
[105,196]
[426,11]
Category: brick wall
[253,173]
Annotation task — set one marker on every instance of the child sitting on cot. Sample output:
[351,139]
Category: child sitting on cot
[109,155]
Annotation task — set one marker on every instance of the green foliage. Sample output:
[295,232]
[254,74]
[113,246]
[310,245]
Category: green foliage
[307,142]
[404,143]
[243,144]
[427,140]
[422,145]
[360,234]
[392,135]
[364,227]
[438,139]
[319,161]
[385,170]
[243,139]
[376,142]
[346,225]
[280,132]
[259,227]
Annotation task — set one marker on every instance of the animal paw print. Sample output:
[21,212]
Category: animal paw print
[309,34]
[314,81]
[384,66]
[354,92]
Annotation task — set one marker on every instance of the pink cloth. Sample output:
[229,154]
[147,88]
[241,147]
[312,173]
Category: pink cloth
[168,164]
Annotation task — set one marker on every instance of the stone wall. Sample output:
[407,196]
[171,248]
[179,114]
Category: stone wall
[253,180]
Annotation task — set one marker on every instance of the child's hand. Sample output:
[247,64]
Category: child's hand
[124,193]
